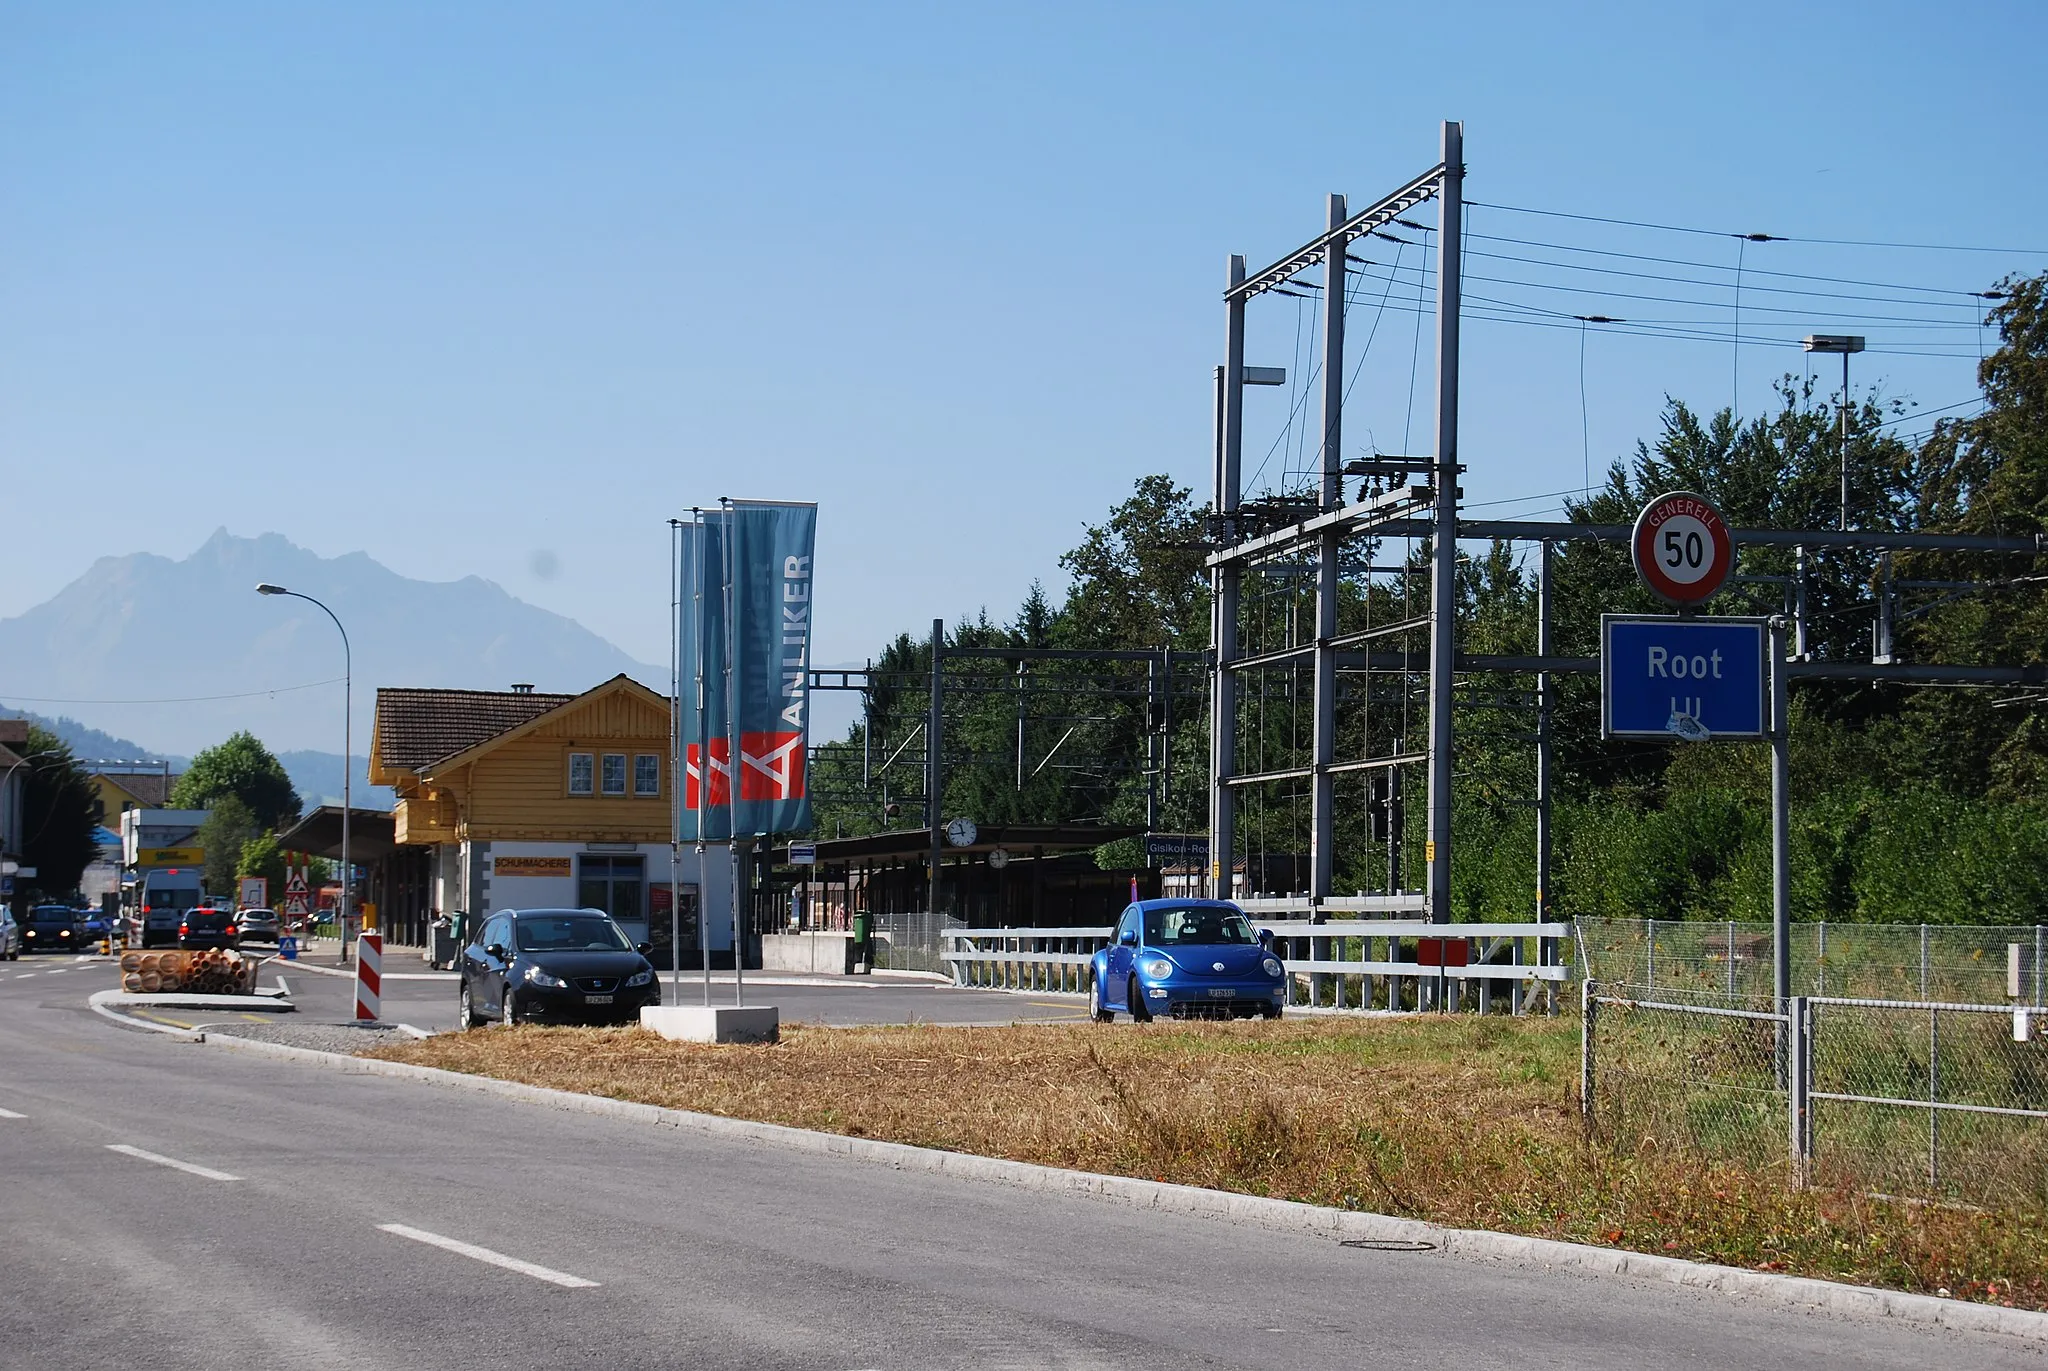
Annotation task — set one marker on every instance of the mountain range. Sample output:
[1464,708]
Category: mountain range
[184,652]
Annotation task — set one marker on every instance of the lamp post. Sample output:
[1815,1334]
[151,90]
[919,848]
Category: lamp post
[1844,343]
[347,759]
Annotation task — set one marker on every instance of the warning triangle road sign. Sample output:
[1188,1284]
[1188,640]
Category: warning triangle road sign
[295,884]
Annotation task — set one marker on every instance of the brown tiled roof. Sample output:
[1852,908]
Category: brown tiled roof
[152,788]
[418,727]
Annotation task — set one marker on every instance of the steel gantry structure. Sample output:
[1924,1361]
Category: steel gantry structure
[1413,656]
[1248,542]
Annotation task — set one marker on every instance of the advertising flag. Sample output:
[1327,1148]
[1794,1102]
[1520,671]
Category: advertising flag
[745,635]
[771,552]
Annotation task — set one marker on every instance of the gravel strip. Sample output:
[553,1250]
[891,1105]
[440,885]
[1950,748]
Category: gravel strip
[319,1037]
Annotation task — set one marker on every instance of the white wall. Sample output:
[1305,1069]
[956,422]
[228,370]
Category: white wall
[712,875]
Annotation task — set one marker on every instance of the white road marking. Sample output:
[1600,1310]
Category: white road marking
[57,970]
[208,1172]
[484,1254]
[23,975]
[10,1114]
[283,989]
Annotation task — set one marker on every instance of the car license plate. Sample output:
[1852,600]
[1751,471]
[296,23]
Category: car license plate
[1224,994]
[597,999]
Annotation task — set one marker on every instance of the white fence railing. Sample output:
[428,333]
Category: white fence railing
[1395,964]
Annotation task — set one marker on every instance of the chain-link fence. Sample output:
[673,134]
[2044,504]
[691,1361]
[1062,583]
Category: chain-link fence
[913,941]
[1923,1098]
[1696,1077]
[1731,961]
[1930,1098]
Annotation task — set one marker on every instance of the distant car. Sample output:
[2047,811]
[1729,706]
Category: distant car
[209,928]
[10,935]
[97,925]
[258,925]
[554,966]
[54,928]
[1186,959]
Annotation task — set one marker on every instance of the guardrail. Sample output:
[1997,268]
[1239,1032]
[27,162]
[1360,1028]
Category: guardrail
[1393,964]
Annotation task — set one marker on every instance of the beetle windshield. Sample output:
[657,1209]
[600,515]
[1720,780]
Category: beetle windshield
[571,933]
[1195,925]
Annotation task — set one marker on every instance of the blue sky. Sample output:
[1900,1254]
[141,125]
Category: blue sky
[496,288]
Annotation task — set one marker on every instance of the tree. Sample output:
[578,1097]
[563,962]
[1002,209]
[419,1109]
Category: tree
[261,856]
[244,768]
[1140,579]
[57,815]
[228,828]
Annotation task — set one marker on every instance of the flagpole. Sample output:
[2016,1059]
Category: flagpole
[703,748]
[675,759]
[732,762]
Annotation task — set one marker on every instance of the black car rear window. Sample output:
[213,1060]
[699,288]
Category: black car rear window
[570,933]
[207,918]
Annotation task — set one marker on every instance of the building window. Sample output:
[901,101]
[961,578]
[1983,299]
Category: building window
[613,884]
[614,773]
[579,773]
[646,774]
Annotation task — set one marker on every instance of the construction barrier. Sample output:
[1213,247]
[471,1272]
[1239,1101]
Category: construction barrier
[369,974]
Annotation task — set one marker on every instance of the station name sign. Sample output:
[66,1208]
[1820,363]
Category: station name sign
[1666,678]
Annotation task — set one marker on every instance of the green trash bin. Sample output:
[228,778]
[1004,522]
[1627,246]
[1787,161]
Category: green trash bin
[863,950]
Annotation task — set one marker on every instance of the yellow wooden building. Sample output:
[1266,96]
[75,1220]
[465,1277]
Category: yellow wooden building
[524,800]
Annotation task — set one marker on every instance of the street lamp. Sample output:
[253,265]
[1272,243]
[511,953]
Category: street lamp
[1844,343]
[347,759]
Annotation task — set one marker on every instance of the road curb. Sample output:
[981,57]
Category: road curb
[350,974]
[1789,1292]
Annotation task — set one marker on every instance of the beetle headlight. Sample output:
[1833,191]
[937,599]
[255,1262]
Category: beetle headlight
[540,977]
[640,977]
[1158,968]
[1273,967]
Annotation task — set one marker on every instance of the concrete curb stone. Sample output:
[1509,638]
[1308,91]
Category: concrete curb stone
[1790,1292]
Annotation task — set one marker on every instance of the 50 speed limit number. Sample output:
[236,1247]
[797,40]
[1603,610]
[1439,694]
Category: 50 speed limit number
[1683,551]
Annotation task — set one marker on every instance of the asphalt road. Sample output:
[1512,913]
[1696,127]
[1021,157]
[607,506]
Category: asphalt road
[165,1204]
[430,1004]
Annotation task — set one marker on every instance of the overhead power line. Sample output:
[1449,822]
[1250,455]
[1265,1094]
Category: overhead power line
[174,699]
[1761,237]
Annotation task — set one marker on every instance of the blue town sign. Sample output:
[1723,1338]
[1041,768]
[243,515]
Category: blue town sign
[1669,678]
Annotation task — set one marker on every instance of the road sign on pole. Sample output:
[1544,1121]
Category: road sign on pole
[1667,678]
[1683,550]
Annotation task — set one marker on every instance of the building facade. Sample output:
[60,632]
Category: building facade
[522,800]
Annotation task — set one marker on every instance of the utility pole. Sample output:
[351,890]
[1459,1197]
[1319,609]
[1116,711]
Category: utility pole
[1323,785]
[1543,758]
[934,773]
[1443,607]
[1223,697]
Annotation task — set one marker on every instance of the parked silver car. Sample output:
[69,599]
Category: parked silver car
[10,935]
[258,925]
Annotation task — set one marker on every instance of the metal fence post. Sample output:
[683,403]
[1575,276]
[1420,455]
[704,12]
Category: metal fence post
[1799,1080]
[1923,961]
[1649,954]
[1588,1007]
[1731,959]
[1933,1094]
[2040,942]
[1820,961]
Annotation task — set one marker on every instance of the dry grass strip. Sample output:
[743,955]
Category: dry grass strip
[1469,1123]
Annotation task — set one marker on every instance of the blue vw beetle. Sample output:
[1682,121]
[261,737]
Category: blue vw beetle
[1186,959]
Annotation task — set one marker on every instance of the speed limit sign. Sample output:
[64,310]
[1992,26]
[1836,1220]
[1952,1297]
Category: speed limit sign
[1682,548]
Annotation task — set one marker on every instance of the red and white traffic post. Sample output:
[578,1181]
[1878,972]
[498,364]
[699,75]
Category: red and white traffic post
[369,974]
